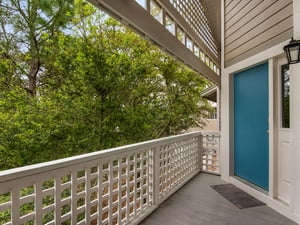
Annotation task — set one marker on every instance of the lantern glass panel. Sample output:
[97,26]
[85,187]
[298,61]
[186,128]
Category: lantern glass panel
[294,52]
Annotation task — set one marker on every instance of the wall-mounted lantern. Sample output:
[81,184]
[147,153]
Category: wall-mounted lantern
[292,51]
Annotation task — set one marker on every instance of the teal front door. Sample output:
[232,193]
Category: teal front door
[251,138]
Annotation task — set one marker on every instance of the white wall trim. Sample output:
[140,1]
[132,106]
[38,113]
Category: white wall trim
[224,122]
[295,123]
[256,59]
[296,13]
[271,129]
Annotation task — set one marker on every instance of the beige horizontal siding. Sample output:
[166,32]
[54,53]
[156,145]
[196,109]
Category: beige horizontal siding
[237,9]
[251,26]
[228,2]
[252,29]
[259,48]
[263,11]
[232,5]
[261,38]
[247,13]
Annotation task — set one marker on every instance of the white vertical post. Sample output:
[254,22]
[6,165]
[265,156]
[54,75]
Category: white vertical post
[156,175]
[88,195]
[271,122]
[200,151]
[225,107]
[226,131]
[110,188]
[148,182]
[15,206]
[73,198]
[127,188]
[57,196]
[100,192]
[141,182]
[134,185]
[120,190]
[218,108]
[38,203]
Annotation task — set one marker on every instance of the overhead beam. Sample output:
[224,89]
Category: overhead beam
[133,15]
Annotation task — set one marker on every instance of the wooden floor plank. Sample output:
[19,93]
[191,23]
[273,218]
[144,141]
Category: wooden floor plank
[198,204]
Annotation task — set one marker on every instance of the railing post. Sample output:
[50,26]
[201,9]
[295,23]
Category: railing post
[73,197]
[200,151]
[57,200]
[156,175]
[15,205]
[38,202]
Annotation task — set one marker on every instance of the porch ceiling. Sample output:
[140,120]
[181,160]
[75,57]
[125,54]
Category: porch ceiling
[213,9]
[210,93]
[130,13]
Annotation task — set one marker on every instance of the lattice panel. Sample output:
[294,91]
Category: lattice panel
[126,188]
[106,191]
[112,187]
[211,153]
[177,161]
[194,14]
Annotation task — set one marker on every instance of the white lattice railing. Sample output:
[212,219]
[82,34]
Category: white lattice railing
[117,186]
[211,152]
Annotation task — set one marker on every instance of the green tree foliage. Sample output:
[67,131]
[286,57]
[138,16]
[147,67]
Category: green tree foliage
[25,26]
[98,85]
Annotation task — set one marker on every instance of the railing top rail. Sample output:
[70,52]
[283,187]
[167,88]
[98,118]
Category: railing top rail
[20,172]
[210,132]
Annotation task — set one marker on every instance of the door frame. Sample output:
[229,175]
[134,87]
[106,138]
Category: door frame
[232,177]
[226,144]
[278,62]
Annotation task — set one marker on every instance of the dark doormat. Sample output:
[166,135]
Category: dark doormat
[236,196]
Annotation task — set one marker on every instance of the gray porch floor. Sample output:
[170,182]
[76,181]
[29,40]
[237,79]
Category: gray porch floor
[198,204]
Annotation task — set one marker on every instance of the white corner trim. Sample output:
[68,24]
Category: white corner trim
[224,107]
[296,13]
[222,35]
[271,129]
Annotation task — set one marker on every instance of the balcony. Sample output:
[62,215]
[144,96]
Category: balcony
[124,185]
[198,204]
